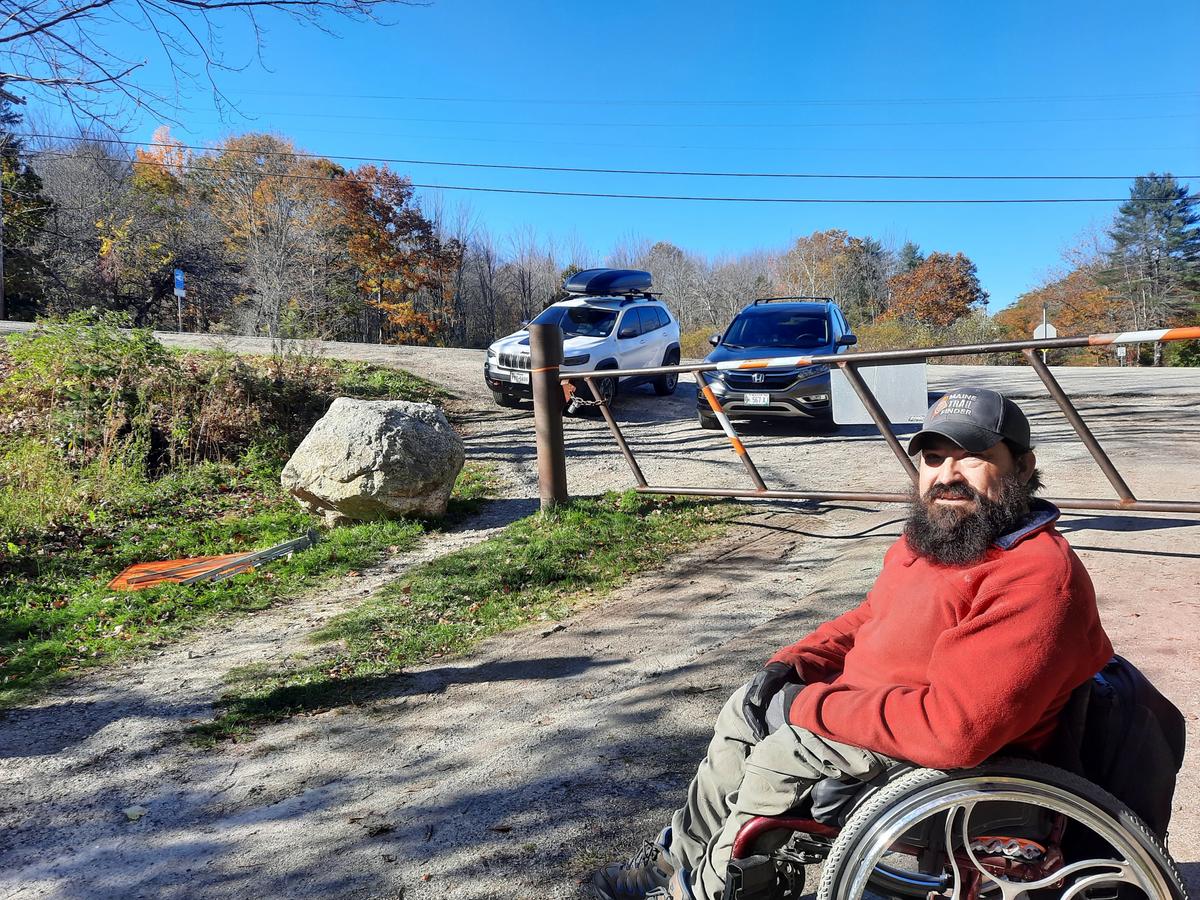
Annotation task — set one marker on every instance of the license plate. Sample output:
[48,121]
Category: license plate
[757,400]
[519,377]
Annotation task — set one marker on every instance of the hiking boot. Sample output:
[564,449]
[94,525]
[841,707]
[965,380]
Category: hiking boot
[677,888]
[649,870]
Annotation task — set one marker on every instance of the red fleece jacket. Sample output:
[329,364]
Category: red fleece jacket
[944,666]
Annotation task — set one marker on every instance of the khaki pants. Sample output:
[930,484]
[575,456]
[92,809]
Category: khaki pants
[741,778]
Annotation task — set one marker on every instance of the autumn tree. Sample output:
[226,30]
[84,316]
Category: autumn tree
[394,249]
[268,200]
[938,292]
[1154,263]
[141,234]
[832,263]
[1077,303]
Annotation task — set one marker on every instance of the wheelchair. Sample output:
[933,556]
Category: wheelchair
[1011,829]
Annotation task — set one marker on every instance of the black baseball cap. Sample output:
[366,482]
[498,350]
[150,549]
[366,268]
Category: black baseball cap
[975,419]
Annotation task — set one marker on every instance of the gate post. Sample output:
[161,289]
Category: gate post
[546,354]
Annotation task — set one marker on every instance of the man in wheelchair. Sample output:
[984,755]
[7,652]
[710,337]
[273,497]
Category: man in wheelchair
[978,629]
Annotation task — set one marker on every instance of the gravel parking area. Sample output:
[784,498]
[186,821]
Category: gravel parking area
[510,772]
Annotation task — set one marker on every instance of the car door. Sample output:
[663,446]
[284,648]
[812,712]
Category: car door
[653,320]
[631,340]
[661,336]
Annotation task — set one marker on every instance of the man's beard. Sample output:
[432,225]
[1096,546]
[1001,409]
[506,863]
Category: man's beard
[955,536]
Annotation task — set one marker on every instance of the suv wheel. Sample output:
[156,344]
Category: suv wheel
[606,386]
[709,422]
[664,385]
[503,399]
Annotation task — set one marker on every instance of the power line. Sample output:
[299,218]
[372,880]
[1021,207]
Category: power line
[734,102]
[874,148]
[602,171]
[617,196]
[727,125]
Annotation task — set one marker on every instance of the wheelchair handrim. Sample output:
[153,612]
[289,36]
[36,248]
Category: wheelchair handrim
[965,794]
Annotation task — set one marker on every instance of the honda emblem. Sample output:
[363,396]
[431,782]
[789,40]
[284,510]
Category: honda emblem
[758,377]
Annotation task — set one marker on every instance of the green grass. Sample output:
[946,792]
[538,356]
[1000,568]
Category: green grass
[101,433]
[369,382]
[57,613]
[537,569]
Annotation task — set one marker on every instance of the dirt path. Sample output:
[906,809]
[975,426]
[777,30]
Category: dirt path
[509,772]
[528,734]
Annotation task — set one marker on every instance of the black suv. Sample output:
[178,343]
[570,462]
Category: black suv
[776,327]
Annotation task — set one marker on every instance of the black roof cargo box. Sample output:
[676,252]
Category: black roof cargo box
[608,282]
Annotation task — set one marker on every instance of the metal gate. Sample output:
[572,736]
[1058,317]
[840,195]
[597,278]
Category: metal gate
[546,347]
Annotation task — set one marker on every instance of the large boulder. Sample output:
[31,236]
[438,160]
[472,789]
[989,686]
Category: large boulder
[375,459]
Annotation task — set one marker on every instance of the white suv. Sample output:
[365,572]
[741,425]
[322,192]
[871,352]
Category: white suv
[612,322]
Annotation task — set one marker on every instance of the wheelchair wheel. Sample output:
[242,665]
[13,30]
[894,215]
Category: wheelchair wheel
[1009,830]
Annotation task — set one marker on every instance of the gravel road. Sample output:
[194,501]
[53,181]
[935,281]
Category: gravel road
[509,772]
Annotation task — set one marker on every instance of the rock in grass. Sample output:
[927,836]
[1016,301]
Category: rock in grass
[375,459]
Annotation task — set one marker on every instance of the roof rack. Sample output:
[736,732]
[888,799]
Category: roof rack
[784,299]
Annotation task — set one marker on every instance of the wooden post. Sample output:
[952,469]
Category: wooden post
[546,354]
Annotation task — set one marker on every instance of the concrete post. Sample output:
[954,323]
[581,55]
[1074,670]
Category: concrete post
[546,355]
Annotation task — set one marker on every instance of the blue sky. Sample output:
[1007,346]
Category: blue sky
[1031,88]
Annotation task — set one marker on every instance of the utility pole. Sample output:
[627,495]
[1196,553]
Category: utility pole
[1044,329]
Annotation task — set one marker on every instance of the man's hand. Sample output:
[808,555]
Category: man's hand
[763,686]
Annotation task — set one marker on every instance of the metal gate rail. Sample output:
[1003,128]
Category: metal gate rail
[546,355]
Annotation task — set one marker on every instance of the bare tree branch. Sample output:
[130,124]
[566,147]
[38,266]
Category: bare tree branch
[53,47]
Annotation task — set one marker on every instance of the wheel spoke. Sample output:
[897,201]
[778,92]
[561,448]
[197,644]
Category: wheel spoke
[964,876]
[1117,870]
[951,815]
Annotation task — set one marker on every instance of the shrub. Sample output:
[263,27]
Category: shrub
[1181,353]
[694,344]
[895,333]
[97,393]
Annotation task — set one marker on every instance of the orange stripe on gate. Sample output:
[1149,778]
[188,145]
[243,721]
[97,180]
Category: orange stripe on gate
[1099,340]
[756,364]
[738,446]
[712,399]
[1192,332]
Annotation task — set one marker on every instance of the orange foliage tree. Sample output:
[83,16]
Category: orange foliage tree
[938,292]
[1076,304]
[394,250]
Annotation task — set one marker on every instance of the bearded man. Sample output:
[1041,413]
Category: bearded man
[979,626]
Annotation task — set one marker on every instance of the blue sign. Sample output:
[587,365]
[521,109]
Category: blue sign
[179,289]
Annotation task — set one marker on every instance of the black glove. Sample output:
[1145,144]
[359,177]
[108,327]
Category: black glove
[763,686]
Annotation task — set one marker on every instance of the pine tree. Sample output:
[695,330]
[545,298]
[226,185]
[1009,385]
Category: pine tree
[25,214]
[1154,264]
[910,257]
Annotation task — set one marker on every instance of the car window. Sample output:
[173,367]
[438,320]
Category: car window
[650,321]
[663,318]
[548,316]
[778,328]
[631,325]
[581,321]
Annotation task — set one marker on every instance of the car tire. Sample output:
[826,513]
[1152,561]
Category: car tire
[505,400]
[606,387]
[708,422]
[665,384]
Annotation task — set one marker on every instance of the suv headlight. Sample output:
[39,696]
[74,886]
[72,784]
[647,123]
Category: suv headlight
[492,352]
[577,360]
